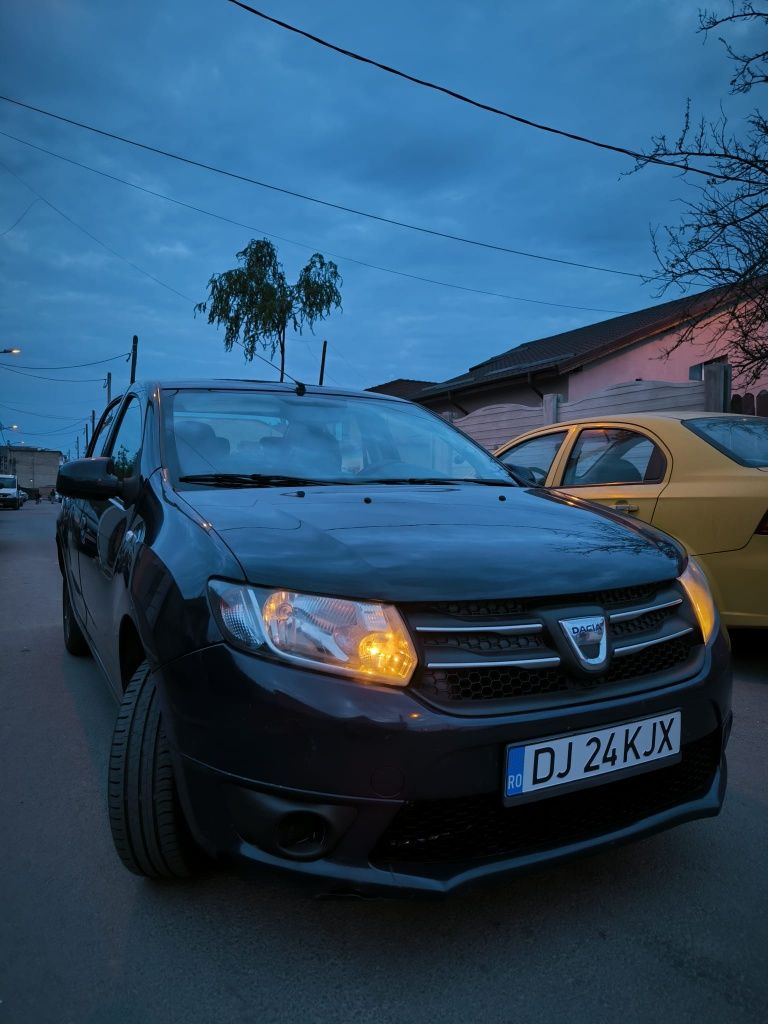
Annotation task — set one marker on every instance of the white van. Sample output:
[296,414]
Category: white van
[10,496]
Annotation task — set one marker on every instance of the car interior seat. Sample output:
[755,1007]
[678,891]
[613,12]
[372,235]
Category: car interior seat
[313,448]
[612,471]
[199,447]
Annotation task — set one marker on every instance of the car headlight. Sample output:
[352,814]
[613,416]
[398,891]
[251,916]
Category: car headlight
[364,639]
[696,587]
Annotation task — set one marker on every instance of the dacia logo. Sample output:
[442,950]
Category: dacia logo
[588,640]
[593,627]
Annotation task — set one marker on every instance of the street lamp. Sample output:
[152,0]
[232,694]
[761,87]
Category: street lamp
[10,351]
[3,428]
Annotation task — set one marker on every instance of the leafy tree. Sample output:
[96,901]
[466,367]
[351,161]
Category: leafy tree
[256,305]
[721,240]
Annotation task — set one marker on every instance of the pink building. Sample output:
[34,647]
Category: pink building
[580,363]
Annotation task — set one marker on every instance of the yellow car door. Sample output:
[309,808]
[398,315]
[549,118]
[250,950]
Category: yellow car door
[623,467]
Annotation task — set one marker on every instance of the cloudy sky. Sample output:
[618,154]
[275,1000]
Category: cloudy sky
[207,80]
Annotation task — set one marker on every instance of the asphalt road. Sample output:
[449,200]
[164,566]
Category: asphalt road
[673,928]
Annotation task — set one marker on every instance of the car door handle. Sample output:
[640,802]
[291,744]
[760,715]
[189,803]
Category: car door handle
[623,506]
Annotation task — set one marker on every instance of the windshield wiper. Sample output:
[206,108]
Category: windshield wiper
[441,480]
[250,480]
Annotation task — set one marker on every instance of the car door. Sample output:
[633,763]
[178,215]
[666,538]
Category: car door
[104,524]
[74,532]
[534,459]
[622,466]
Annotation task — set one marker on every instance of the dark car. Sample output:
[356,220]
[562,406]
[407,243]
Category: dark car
[345,641]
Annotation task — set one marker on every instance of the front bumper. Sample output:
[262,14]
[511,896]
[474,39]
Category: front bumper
[371,788]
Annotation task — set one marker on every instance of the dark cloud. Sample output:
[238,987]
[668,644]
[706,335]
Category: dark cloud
[207,79]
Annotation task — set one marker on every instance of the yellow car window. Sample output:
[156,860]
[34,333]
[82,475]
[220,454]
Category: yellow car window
[614,455]
[533,459]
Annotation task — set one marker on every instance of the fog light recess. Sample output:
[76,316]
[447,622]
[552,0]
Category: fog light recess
[303,835]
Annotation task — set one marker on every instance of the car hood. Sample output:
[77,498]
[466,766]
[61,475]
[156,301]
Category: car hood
[415,543]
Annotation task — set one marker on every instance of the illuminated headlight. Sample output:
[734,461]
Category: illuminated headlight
[364,639]
[697,588]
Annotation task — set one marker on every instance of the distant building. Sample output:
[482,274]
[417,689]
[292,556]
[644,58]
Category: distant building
[403,387]
[36,468]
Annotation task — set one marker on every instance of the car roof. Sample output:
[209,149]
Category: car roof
[648,418]
[240,384]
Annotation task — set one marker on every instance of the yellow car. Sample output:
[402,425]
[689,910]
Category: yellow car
[702,477]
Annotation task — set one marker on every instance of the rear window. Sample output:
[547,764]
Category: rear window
[744,439]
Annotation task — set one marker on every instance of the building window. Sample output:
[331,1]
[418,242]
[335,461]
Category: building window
[696,372]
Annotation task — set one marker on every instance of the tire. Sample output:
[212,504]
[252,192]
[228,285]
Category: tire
[74,641]
[148,827]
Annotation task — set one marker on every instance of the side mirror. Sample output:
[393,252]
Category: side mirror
[92,479]
[520,474]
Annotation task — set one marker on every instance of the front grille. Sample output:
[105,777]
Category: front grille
[507,683]
[653,660]
[476,652]
[486,643]
[609,599]
[481,828]
[474,684]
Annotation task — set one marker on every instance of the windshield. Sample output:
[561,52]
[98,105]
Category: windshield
[7,482]
[742,438]
[325,438]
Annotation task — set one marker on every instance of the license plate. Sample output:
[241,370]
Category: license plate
[589,756]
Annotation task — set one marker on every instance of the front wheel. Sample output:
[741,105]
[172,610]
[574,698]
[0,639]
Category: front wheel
[148,827]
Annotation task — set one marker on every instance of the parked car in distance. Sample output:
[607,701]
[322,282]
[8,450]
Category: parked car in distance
[702,477]
[345,642]
[10,492]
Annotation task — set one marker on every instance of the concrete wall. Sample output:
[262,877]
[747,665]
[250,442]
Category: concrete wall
[494,425]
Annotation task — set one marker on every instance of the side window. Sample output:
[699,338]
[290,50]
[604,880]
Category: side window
[614,455]
[126,444]
[102,430]
[535,457]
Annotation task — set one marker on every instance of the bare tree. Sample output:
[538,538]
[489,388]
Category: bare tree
[721,240]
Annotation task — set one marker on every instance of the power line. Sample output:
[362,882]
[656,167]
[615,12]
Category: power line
[305,245]
[28,412]
[314,199]
[18,219]
[573,136]
[58,430]
[93,237]
[255,355]
[58,380]
[73,366]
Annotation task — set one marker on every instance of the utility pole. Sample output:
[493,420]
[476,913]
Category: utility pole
[86,436]
[322,362]
[134,353]
[109,388]
[77,445]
